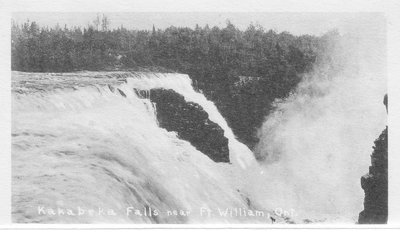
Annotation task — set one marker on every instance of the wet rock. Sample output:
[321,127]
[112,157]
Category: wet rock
[375,184]
[191,123]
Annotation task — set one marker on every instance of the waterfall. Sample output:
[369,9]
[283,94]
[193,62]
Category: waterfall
[88,141]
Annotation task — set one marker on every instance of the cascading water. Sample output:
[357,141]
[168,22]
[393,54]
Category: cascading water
[84,141]
[182,84]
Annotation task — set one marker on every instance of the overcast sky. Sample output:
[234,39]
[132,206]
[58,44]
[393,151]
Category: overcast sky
[296,23]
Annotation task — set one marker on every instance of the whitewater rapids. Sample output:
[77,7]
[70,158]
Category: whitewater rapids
[78,145]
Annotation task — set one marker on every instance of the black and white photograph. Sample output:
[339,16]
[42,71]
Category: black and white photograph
[268,118]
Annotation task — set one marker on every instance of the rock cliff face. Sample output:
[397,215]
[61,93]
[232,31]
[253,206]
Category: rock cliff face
[191,123]
[375,184]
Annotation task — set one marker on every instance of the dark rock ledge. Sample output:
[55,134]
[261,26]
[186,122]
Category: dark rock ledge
[375,183]
[191,123]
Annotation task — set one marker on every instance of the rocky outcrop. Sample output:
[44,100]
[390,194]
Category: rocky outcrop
[375,184]
[191,123]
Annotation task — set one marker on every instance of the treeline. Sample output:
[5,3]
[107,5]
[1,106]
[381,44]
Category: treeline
[241,71]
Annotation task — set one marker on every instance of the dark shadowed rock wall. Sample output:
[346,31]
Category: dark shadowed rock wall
[191,123]
[375,184]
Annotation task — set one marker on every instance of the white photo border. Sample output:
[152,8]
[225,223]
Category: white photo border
[390,8]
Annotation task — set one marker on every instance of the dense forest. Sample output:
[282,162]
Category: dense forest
[243,72]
